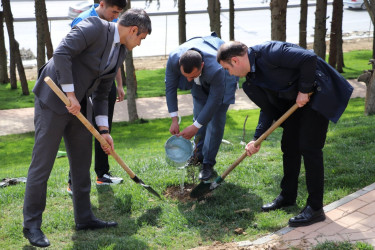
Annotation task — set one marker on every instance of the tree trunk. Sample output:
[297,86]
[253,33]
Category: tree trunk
[340,53]
[21,70]
[369,78]
[15,56]
[48,41]
[4,78]
[231,20]
[40,32]
[278,19]
[333,39]
[370,6]
[131,83]
[303,24]
[181,22]
[320,28]
[214,14]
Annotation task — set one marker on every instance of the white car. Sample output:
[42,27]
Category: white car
[78,8]
[355,4]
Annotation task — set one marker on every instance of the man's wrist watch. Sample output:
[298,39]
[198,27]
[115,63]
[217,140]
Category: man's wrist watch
[104,131]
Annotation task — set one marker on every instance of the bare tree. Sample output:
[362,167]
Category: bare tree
[278,19]
[231,20]
[214,14]
[303,24]
[15,56]
[181,21]
[336,31]
[320,28]
[3,54]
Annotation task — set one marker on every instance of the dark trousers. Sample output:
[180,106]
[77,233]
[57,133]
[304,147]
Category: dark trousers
[101,158]
[304,136]
[50,127]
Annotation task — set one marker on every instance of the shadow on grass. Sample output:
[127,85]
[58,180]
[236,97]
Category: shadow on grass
[228,208]
[112,208]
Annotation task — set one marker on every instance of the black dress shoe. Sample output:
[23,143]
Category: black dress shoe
[307,217]
[36,237]
[96,224]
[277,203]
[207,172]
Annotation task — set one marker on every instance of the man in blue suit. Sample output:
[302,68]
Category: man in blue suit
[193,66]
[278,75]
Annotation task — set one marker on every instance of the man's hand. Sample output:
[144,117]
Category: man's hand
[175,127]
[109,139]
[302,99]
[120,93]
[189,132]
[251,149]
[75,107]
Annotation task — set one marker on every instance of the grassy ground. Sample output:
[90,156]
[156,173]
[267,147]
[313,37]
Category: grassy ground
[148,223]
[151,82]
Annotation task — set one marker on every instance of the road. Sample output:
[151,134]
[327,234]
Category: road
[251,27]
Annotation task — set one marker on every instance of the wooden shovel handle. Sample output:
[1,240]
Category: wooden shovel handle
[274,126]
[88,125]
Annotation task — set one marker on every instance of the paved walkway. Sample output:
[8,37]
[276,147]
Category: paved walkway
[352,218]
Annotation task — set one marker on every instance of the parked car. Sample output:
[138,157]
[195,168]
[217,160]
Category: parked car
[78,8]
[355,4]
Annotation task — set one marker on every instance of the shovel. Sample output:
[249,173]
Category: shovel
[102,141]
[205,186]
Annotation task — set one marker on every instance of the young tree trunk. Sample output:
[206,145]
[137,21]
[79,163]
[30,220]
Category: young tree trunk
[181,22]
[231,20]
[340,53]
[303,24]
[21,71]
[278,19]
[333,35]
[369,78]
[15,56]
[4,78]
[131,83]
[40,32]
[214,14]
[320,28]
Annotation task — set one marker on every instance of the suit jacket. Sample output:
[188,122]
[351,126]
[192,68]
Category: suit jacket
[81,58]
[284,69]
[215,81]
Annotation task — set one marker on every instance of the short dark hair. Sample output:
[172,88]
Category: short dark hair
[136,17]
[229,50]
[119,3]
[189,60]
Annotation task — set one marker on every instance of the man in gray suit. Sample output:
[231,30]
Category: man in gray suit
[84,64]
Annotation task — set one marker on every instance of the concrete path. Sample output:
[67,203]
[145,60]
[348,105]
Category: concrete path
[18,121]
[351,218]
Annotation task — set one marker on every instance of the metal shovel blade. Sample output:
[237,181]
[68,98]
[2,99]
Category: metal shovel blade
[205,187]
[150,189]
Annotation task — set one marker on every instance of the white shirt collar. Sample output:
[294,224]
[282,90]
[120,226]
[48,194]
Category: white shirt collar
[116,38]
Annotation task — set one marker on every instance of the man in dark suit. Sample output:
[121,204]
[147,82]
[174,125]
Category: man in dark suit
[278,75]
[84,64]
[193,66]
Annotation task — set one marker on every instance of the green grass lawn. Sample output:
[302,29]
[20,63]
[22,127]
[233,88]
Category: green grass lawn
[151,82]
[148,223]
